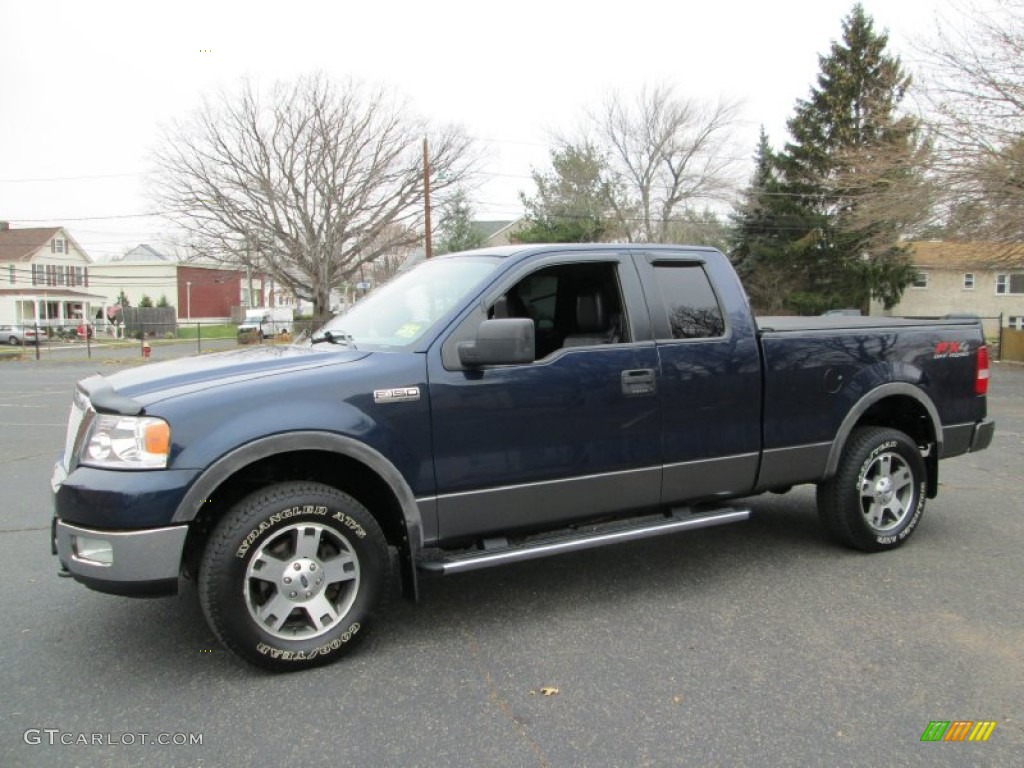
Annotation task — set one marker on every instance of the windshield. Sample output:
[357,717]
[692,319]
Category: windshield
[398,313]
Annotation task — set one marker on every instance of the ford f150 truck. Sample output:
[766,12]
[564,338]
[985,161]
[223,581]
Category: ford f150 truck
[489,407]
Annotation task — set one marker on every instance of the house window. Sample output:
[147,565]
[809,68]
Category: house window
[37,274]
[1015,322]
[968,281]
[58,245]
[920,280]
[1012,284]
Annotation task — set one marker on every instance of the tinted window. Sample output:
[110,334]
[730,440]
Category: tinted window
[693,311]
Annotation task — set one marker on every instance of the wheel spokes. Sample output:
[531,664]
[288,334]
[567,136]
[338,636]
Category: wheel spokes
[321,612]
[266,567]
[307,541]
[340,568]
[275,611]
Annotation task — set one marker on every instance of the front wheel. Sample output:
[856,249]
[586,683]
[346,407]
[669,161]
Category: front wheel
[877,496]
[291,575]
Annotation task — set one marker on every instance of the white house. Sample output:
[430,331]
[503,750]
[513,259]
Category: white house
[984,279]
[44,277]
[142,271]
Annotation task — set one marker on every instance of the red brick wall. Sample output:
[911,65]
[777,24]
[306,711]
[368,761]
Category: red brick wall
[213,292]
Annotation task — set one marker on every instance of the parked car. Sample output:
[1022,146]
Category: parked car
[267,321]
[17,334]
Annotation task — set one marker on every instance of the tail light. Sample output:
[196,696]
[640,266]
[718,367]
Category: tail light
[981,371]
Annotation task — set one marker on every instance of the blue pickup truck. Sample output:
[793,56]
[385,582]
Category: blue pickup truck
[490,407]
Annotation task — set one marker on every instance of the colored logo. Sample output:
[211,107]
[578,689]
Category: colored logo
[947,349]
[958,730]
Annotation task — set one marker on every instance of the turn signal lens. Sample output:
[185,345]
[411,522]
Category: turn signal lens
[158,438]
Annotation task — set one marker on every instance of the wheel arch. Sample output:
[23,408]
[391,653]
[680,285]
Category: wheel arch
[901,406]
[335,460]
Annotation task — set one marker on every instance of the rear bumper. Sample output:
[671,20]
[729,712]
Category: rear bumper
[141,563]
[959,439]
[982,437]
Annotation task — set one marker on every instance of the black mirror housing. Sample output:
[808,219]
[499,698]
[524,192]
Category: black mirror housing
[506,341]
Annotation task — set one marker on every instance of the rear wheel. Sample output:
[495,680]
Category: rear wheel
[292,574]
[13,341]
[876,498]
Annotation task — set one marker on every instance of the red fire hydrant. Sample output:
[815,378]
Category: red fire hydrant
[146,349]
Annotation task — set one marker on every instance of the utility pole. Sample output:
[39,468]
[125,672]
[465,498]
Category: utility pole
[428,244]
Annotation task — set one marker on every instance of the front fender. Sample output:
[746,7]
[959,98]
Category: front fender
[262,448]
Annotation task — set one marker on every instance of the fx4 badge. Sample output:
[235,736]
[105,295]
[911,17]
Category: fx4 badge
[398,395]
[947,349]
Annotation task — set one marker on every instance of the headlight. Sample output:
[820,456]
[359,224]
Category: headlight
[126,442]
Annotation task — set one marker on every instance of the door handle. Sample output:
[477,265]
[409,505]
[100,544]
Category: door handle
[638,382]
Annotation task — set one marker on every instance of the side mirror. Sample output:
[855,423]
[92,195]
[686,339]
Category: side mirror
[508,341]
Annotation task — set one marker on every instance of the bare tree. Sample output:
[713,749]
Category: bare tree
[974,82]
[664,153]
[306,185]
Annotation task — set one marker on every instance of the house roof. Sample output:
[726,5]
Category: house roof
[490,228]
[958,255]
[21,244]
[142,252]
[41,292]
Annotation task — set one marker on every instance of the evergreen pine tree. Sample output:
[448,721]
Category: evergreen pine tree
[757,245]
[852,175]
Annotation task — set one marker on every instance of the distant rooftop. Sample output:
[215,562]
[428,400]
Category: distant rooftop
[142,253]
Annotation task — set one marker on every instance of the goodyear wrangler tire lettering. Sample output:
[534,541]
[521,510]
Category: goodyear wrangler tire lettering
[876,498]
[292,574]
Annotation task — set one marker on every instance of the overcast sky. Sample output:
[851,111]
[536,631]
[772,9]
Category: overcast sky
[85,86]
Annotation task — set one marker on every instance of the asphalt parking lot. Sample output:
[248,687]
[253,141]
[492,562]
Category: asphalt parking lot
[754,644]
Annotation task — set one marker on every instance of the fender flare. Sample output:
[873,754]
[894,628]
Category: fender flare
[230,463]
[892,389]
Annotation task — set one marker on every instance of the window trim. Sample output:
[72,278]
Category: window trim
[923,274]
[968,282]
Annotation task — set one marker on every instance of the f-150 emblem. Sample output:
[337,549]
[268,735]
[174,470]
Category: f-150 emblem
[398,395]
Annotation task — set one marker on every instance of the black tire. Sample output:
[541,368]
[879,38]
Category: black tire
[875,500]
[292,574]
[13,341]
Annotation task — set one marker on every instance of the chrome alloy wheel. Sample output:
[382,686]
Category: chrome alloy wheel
[301,581]
[887,492]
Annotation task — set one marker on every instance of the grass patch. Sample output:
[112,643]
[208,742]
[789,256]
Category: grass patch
[220,331]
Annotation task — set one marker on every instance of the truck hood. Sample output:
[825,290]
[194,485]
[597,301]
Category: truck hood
[153,382]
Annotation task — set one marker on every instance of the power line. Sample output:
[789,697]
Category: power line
[91,177]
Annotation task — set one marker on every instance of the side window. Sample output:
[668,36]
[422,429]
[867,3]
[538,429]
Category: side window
[686,293]
[571,305]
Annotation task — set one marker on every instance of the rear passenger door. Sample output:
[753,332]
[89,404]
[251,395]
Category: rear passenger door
[572,435]
[710,383]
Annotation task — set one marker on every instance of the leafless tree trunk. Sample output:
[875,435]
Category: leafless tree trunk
[974,83]
[664,153]
[305,185]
